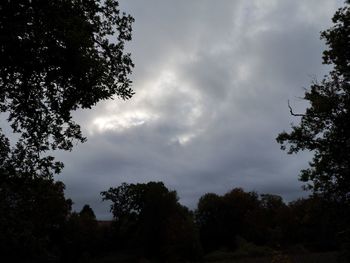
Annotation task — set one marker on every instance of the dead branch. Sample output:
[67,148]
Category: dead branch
[292,113]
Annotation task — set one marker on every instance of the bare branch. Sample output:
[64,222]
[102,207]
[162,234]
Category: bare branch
[292,113]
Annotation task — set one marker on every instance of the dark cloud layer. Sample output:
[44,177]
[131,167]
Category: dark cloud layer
[212,82]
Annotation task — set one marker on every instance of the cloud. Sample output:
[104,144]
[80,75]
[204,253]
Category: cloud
[211,82]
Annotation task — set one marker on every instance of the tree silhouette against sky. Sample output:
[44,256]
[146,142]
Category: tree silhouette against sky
[56,57]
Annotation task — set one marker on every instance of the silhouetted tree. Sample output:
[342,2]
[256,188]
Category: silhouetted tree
[209,217]
[150,219]
[314,223]
[81,239]
[324,127]
[33,213]
[221,219]
[274,220]
[55,57]
[239,205]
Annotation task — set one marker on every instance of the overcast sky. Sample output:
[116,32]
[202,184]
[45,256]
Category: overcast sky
[212,80]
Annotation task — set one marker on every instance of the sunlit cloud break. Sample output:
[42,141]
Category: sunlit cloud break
[121,122]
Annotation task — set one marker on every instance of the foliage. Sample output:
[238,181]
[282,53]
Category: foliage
[150,219]
[80,238]
[224,221]
[315,223]
[222,218]
[244,250]
[36,224]
[55,57]
[32,217]
[324,127]
[209,217]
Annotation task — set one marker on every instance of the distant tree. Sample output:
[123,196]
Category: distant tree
[87,212]
[80,236]
[239,206]
[221,219]
[150,219]
[209,217]
[324,127]
[274,220]
[55,57]
[272,202]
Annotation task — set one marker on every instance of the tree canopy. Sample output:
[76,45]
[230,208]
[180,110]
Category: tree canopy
[55,57]
[324,127]
[33,212]
[149,218]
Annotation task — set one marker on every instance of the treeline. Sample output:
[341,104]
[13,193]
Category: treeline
[37,224]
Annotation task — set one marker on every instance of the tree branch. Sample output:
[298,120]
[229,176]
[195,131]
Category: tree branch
[292,113]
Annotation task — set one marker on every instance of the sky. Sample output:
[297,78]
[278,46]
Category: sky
[212,81]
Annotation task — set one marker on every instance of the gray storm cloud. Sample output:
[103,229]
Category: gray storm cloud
[212,83]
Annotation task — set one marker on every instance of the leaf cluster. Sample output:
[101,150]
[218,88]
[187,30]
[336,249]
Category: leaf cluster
[324,127]
[55,57]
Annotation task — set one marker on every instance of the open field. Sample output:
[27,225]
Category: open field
[329,257]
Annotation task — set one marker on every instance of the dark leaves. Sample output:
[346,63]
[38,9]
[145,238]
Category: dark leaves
[324,128]
[56,57]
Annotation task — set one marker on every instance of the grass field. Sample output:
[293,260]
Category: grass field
[329,257]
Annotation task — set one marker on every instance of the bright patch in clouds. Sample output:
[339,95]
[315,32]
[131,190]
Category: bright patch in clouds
[121,122]
[167,90]
[185,138]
